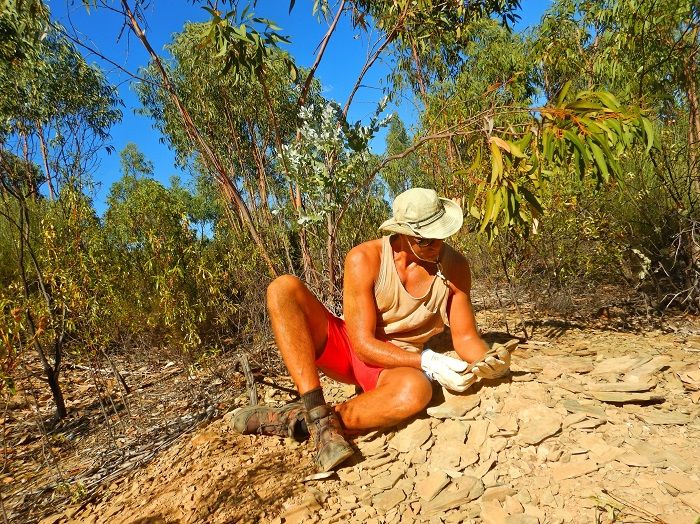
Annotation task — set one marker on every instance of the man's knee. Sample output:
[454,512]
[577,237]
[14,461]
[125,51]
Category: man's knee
[282,290]
[413,392]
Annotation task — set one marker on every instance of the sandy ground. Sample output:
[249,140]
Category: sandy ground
[593,425]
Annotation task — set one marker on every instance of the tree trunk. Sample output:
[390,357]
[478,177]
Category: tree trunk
[45,158]
[330,256]
[306,260]
[208,156]
[691,91]
[57,394]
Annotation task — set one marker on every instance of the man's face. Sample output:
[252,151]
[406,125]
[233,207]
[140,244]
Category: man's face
[428,248]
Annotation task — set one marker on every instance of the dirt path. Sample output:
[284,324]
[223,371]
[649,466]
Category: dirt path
[591,425]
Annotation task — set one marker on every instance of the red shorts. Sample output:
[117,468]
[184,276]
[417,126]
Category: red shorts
[339,361]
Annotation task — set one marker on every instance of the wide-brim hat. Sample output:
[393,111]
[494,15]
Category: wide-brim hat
[422,213]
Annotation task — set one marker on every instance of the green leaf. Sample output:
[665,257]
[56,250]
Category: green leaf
[649,132]
[608,99]
[585,105]
[599,158]
[562,93]
[532,200]
[488,209]
[524,142]
[576,141]
[515,150]
[496,163]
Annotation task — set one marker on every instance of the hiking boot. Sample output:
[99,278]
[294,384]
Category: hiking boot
[331,446]
[266,420]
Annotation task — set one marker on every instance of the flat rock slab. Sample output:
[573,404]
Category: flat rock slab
[627,387]
[538,424]
[692,500]
[615,397]
[465,490]
[453,432]
[573,469]
[661,418]
[619,364]
[412,436]
[631,458]
[680,482]
[455,406]
[388,499]
[492,512]
[443,456]
[574,406]
[478,432]
[497,493]
[434,483]
[651,367]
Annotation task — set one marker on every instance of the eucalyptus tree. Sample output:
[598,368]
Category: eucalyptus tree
[244,119]
[509,159]
[514,146]
[55,112]
[647,52]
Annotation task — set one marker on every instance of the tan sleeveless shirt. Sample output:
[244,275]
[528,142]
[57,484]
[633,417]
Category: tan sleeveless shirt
[403,319]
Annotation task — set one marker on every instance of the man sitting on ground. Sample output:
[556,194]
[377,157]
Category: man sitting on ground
[399,291]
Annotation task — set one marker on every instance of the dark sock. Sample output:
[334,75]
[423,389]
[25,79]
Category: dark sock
[313,399]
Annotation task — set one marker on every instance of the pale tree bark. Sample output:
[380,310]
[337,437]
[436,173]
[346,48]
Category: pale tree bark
[45,160]
[691,91]
[210,158]
[309,273]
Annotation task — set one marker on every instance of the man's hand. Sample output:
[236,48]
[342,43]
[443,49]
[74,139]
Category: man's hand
[448,371]
[495,364]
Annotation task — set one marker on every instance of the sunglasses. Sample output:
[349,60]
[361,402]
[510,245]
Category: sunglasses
[424,242]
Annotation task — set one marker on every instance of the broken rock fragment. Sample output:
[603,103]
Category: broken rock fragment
[538,424]
[412,436]
[465,490]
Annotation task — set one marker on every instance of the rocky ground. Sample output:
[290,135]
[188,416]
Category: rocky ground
[593,425]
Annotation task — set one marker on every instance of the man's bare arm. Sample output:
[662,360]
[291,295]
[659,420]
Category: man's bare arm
[360,310]
[465,336]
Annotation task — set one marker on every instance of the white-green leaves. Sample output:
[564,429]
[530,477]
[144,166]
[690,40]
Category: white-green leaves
[330,157]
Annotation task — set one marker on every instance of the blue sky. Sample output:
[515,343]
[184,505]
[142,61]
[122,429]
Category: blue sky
[338,71]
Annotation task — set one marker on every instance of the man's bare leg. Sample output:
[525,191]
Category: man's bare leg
[300,324]
[400,394]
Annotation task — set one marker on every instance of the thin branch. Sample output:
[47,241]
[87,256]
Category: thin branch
[366,67]
[94,51]
[319,55]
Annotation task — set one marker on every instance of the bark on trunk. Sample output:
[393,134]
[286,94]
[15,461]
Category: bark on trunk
[56,393]
[210,158]
[691,89]
[306,260]
[45,159]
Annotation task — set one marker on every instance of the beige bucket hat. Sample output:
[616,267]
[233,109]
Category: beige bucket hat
[420,212]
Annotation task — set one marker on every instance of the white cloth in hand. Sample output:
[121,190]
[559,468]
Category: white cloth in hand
[448,371]
[495,364]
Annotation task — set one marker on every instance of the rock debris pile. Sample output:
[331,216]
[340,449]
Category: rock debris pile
[573,434]
[592,426]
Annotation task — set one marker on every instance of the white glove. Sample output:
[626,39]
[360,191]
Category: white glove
[446,370]
[495,364]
